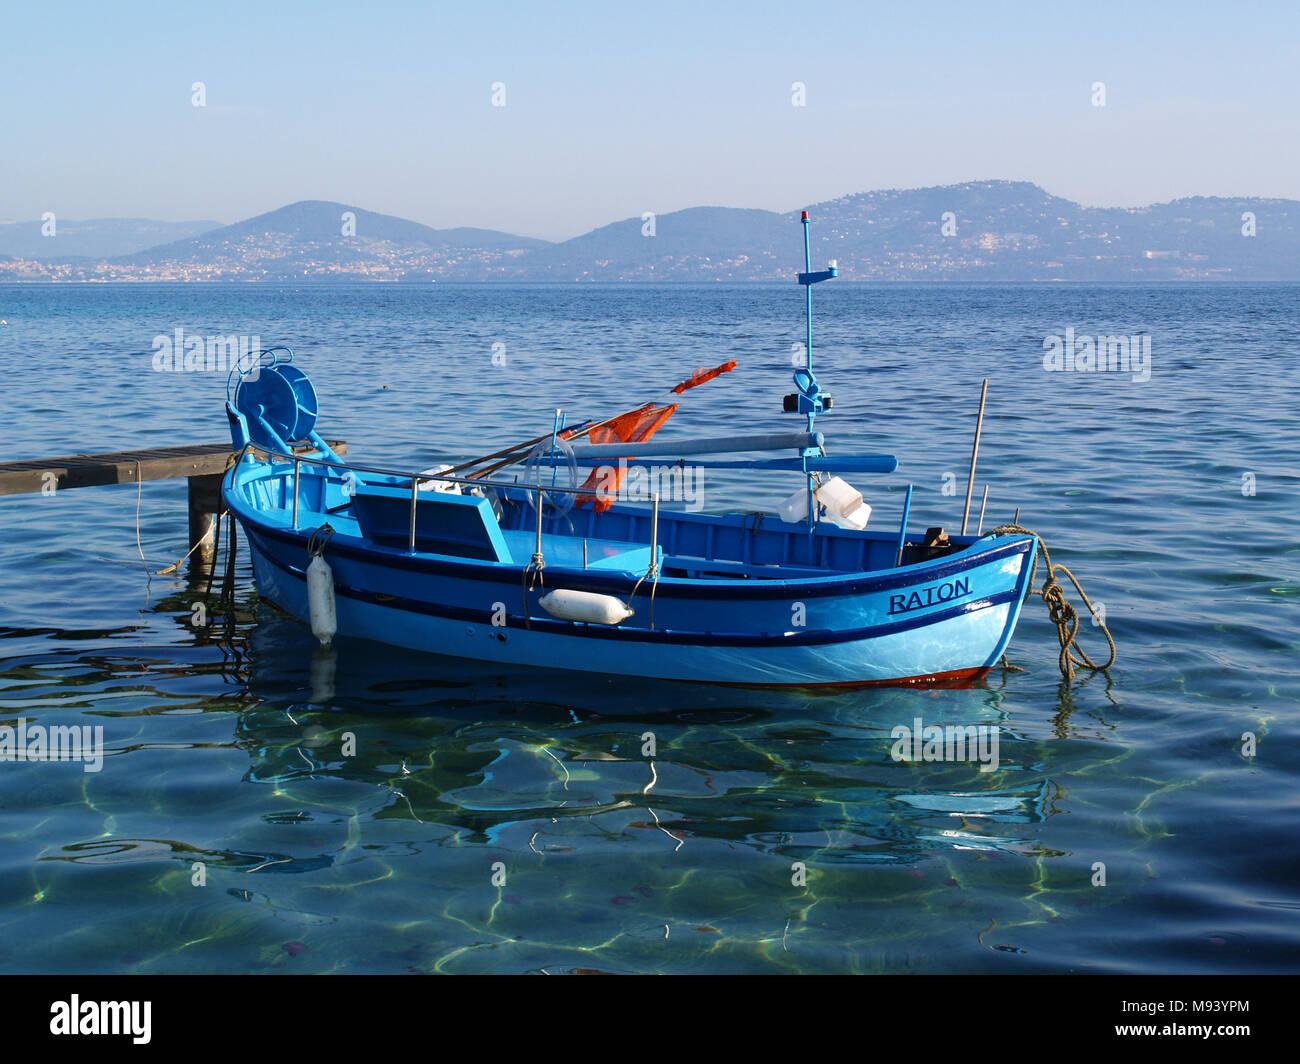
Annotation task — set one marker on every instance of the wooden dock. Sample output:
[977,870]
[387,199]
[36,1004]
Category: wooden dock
[203,465]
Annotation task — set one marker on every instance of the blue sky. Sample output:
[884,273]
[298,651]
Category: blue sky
[615,109]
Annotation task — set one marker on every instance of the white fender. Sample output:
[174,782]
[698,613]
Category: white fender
[320,600]
[585,606]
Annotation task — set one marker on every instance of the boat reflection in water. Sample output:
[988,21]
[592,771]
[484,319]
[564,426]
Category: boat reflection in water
[483,749]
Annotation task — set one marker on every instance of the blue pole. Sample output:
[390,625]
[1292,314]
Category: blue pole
[902,527]
[807,265]
[555,432]
[808,361]
[556,426]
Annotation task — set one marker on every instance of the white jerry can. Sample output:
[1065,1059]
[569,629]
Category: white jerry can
[320,600]
[839,497]
[843,503]
[795,508]
[856,519]
[445,486]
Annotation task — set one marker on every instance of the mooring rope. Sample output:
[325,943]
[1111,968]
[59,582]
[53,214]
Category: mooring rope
[651,574]
[227,597]
[317,540]
[231,460]
[139,488]
[1059,609]
[216,553]
[530,579]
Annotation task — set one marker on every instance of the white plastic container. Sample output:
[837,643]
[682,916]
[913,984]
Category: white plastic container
[438,485]
[857,519]
[795,508]
[839,497]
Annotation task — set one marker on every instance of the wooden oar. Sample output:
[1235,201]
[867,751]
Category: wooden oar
[512,449]
[523,450]
[511,455]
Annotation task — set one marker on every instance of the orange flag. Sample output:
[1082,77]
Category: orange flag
[635,427]
[700,376]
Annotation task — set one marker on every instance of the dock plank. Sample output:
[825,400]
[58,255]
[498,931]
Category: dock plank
[121,467]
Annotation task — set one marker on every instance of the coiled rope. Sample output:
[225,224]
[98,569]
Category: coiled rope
[1059,609]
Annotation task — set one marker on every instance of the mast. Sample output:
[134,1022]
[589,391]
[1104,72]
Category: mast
[809,398]
[807,291]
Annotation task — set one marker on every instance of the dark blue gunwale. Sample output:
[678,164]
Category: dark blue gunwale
[670,587]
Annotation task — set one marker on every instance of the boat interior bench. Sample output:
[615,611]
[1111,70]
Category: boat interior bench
[466,526]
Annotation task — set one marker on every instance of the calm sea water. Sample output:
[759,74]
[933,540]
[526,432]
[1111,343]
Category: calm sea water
[1174,499]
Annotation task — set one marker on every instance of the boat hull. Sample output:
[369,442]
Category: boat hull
[934,623]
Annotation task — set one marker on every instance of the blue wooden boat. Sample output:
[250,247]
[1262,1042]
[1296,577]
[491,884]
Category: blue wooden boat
[511,567]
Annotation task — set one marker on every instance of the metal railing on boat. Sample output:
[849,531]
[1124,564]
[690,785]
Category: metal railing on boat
[537,492]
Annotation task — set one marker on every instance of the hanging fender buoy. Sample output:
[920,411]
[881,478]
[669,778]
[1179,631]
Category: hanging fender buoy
[585,606]
[320,588]
[320,600]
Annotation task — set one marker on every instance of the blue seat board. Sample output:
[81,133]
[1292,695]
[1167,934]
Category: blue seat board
[463,526]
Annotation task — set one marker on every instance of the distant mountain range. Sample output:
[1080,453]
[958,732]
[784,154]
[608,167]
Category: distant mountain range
[97,238]
[977,231]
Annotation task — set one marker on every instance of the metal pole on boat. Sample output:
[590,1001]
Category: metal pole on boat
[538,551]
[410,539]
[980,531]
[808,362]
[555,431]
[654,531]
[653,572]
[807,266]
[297,464]
[974,456]
[809,398]
[902,526]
